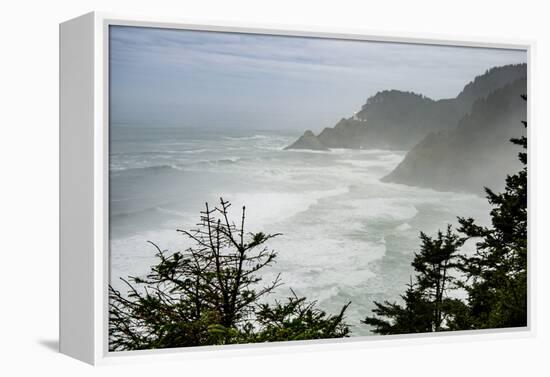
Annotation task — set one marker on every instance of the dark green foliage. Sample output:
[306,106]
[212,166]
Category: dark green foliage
[495,276]
[212,293]
[427,306]
[298,319]
[498,271]
[491,80]
[415,316]
[433,265]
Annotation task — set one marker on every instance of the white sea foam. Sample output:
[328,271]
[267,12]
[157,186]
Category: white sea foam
[241,138]
[345,235]
[264,208]
[307,151]
[193,151]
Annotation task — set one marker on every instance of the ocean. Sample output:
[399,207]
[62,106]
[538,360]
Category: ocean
[346,236]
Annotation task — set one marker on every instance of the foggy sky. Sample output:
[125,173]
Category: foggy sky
[209,79]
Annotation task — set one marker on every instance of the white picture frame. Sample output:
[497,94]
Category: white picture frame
[84,188]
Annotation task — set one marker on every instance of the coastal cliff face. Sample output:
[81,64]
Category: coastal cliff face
[308,141]
[399,120]
[477,153]
[394,119]
[347,133]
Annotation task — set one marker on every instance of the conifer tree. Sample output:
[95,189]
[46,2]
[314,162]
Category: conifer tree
[212,293]
[426,303]
[495,276]
[497,273]
[298,319]
[414,316]
[433,265]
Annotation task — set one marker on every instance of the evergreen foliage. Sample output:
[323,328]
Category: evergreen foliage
[497,293]
[494,277]
[427,305]
[298,319]
[394,119]
[212,294]
[475,152]
[415,316]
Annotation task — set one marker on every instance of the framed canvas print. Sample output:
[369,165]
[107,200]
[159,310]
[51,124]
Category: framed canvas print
[228,189]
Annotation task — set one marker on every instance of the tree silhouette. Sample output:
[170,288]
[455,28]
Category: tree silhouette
[415,316]
[212,293]
[495,277]
[497,293]
[427,306]
[297,319]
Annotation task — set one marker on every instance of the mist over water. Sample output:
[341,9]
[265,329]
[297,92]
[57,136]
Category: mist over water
[345,235]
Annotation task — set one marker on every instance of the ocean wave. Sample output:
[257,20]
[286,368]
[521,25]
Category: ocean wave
[253,137]
[146,169]
[181,167]
[269,207]
[228,160]
[367,163]
[148,211]
[307,151]
[194,151]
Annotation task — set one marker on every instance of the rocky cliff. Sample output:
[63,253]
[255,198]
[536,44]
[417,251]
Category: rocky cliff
[394,119]
[308,141]
[476,153]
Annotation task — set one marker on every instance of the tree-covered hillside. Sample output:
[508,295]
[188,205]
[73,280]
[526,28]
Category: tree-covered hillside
[493,279]
[473,155]
[394,119]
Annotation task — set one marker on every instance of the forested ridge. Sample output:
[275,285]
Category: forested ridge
[399,120]
[213,292]
[494,278]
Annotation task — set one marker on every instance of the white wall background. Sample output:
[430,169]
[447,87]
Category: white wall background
[29,184]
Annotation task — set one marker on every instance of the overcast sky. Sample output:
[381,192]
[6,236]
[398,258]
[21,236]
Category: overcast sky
[209,79]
